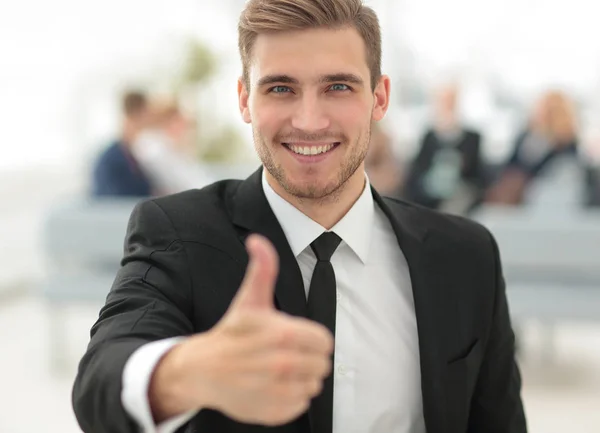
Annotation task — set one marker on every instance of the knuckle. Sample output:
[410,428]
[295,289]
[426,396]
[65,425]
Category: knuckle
[282,393]
[288,336]
[274,416]
[328,342]
[314,387]
[320,367]
[282,365]
[278,337]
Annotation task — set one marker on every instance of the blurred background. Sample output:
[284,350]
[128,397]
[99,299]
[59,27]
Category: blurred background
[495,116]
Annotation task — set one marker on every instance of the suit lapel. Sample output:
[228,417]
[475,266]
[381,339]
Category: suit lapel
[252,213]
[429,309]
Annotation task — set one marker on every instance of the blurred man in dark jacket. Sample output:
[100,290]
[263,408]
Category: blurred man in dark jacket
[116,171]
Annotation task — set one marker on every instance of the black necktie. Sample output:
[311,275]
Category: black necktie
[321,308]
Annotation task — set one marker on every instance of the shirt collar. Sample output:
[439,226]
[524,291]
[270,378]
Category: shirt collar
[354,228]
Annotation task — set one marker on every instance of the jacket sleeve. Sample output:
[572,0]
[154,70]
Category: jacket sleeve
[496,406]
[151,299]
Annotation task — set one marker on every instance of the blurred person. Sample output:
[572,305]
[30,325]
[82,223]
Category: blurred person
[299,299]
[592,173]
[165,151]
[381,164]
[447,173]
[550,137]
[592,198]
[116,171]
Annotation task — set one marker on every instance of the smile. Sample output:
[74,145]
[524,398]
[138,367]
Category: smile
[310,150]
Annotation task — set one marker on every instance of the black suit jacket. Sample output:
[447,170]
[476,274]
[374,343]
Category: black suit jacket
[185,259]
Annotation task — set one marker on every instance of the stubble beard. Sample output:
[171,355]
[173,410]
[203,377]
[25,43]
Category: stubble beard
[313,192]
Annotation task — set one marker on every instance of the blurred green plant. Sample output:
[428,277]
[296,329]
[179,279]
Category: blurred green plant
[199,65]
[217,144]
[225,146]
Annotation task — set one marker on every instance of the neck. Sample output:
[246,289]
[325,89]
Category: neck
[129,134]
[446,124]
[326,211]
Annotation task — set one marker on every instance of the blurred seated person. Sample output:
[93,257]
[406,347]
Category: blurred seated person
[116,172]
[550,137]
[592,198]
[381,164]
[592,174]
[166,152]
[447,173]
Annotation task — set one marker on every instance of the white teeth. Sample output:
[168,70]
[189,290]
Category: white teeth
[310,150]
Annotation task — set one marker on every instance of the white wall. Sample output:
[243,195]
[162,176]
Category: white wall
[62,63]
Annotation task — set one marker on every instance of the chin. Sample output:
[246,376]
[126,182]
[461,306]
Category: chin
[312,189]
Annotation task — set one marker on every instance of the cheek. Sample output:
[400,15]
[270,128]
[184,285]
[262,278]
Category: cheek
[268,120]
[352,118]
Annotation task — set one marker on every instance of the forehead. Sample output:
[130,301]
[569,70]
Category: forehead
[310,53]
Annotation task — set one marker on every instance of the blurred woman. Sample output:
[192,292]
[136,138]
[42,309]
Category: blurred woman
[551,136]
[165,150]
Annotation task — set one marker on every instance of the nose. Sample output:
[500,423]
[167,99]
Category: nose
[310,115]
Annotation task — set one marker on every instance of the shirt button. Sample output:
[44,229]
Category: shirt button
[337,295]
[341,369]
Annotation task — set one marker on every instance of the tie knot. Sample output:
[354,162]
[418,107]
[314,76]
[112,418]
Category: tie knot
[325,245]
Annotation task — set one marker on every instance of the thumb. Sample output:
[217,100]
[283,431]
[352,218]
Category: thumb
[258,286]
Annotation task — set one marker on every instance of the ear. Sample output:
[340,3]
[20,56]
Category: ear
[381,101]
[243,96]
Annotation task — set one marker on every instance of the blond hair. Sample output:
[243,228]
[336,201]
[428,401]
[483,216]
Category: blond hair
[557,116]
[272,16]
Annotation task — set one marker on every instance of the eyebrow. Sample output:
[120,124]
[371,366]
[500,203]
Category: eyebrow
[331,78]
[272,79]
[336,78]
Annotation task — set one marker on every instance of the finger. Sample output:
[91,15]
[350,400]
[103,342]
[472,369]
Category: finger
[283,411]
[296,390]
[258,286]
[304,335]
[294,366]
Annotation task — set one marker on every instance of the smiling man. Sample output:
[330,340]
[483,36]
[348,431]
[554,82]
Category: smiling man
[300,300]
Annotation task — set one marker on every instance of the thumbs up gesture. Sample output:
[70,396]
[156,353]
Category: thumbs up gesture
[257,365]
[258,288]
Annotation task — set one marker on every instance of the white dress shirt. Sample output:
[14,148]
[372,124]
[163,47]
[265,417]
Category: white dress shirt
[377,377]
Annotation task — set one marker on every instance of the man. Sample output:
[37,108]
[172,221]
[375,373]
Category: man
[447,174]
[117,172]
[198,329]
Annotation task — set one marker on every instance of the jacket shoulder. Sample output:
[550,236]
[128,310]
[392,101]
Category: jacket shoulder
[453,228]
[208,207]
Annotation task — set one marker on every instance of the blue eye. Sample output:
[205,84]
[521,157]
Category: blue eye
[339,87]
[280,89]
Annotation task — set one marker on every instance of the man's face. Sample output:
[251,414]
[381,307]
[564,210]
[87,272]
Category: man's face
[311,106]
[447,101]
[177,127]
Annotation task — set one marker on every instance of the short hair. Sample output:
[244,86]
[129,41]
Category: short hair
[134,103]
[272,16]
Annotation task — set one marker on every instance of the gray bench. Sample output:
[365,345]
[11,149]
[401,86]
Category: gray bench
[551,260]
[551,263]
[82,241]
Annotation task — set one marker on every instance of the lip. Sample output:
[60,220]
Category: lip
[310,159]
